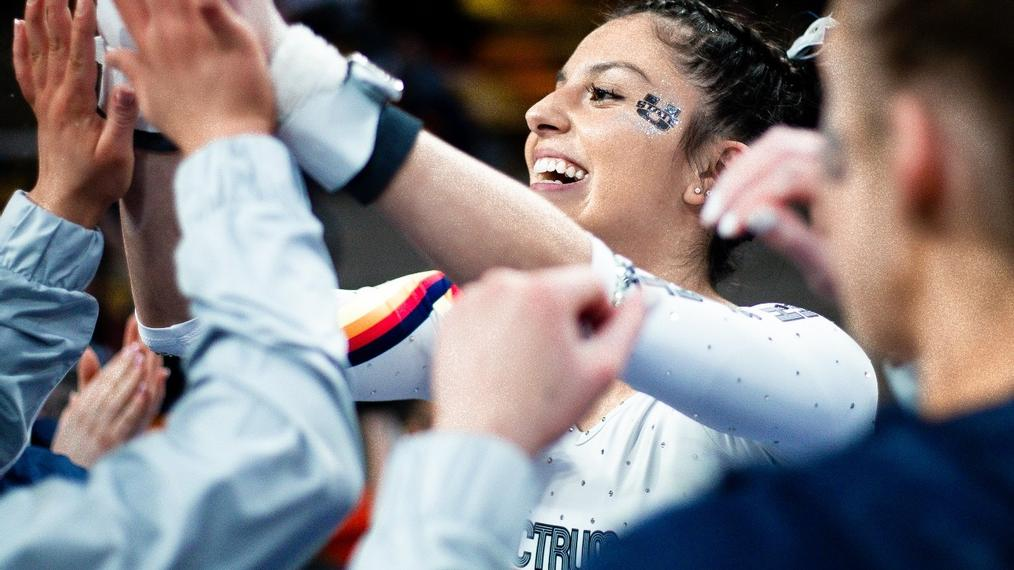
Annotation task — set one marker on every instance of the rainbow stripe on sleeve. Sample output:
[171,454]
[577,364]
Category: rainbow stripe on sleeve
[376,320]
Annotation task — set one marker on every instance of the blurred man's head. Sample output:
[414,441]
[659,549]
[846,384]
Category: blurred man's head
[921,110]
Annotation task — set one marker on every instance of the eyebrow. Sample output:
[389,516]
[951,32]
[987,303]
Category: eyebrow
[600,68]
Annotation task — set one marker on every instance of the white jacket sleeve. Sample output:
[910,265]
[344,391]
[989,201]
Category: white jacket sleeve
[450,500]
[261,458]
[46,319]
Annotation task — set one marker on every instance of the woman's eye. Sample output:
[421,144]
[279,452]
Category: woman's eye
[600,94]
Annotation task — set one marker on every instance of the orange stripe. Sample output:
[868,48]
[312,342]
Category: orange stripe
[401,289]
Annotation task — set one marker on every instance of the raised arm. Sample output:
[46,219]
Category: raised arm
[469,217]
[779,375]
[465,215]
[49,250]
[260,459]
[150,237]
[46,319]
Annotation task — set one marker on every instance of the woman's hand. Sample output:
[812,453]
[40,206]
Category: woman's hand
[113,404]
[199,70]
[757,192]
[85,161]
[524,355]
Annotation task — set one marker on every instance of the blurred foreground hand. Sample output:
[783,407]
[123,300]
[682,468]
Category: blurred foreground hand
[524,355]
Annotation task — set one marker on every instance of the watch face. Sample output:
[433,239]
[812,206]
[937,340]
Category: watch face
[365,71]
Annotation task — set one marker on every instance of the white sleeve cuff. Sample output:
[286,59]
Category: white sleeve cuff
[46,249]
[450,500]
[302,66]
[175,340]
[329,124]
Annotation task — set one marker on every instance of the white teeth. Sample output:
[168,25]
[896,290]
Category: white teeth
[558,166]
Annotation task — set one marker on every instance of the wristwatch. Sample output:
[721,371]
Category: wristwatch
[379,85]
[626,279]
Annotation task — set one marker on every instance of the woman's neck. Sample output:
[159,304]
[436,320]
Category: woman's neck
[675,259]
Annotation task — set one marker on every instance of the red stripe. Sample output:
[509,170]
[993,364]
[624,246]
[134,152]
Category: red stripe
[390,321]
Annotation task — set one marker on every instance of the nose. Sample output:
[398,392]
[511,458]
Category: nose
[547,117]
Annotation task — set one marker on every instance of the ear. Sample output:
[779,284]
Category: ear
[916,160]
[723,155]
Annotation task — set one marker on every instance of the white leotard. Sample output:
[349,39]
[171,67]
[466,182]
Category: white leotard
[719,386]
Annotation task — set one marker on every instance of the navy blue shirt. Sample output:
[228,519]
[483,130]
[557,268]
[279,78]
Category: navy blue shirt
[914,495]
[38,462]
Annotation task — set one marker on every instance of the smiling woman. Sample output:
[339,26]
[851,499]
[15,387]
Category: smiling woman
[649,110]
[663,96]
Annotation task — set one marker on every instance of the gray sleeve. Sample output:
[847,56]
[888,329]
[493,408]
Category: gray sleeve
[260,460]
[450,500]
[46,320]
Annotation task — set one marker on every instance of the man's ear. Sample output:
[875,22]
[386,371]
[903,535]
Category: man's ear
[916,161]
[719,159]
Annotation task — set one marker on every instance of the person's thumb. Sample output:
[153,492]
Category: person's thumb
[224,22]
[121,117]
[609,348]
[87,368]
[131,333]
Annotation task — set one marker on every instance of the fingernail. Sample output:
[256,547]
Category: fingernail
[762,221]
[134,347]
[712,208]
[138,360]
[166,372]
[728,226]
[126,99]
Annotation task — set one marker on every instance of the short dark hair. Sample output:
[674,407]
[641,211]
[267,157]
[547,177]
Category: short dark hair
[965,49]
[749,84]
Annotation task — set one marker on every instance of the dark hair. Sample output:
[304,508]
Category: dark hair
[749,84]
[964,50]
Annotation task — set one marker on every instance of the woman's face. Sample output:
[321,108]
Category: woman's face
[605,144]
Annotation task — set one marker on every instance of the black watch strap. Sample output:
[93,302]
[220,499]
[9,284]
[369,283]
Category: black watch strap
[153,142]
[397,132]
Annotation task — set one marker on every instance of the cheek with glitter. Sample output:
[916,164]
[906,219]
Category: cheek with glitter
[660,114]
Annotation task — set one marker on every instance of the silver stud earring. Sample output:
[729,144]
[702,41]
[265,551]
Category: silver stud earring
[707,194]
[698,190]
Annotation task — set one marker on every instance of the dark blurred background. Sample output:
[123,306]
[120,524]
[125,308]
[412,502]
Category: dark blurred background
[471,68]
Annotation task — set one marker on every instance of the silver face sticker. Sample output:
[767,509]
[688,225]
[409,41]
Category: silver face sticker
[663,116]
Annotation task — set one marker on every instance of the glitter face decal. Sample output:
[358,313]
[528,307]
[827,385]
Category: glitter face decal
[662,118]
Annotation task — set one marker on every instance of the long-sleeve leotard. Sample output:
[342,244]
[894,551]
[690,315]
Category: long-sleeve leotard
[779,375]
